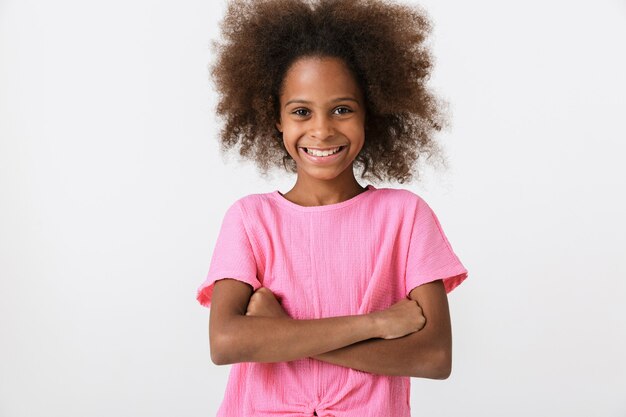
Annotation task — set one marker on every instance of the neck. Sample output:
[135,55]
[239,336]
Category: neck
[309,191]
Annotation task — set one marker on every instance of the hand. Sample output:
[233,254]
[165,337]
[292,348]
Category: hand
[263,303]
[400,319]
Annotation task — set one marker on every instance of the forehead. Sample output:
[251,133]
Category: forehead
[314,78]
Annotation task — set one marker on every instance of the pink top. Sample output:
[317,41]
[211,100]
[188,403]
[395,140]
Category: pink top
[353,257]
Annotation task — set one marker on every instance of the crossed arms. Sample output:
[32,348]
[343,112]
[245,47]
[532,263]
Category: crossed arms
[411,338]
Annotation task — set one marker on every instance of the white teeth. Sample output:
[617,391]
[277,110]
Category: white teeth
[322,153]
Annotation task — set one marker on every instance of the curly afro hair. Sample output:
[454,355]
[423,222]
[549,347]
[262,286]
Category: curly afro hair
[383,44]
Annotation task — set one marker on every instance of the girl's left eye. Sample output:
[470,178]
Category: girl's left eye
[343,110]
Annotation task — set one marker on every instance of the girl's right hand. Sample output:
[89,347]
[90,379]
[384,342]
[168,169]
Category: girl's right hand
[402,318]
[263,303]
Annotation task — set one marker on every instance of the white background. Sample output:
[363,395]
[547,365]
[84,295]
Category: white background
[112,191]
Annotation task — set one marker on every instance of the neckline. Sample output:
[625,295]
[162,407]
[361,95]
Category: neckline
[290,204]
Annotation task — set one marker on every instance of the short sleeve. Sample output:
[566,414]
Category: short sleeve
[232,256]
[430,256]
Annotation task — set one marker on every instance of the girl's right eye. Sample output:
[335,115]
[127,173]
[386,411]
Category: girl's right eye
[301,112]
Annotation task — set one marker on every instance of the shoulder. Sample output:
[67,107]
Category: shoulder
[403,204]
[256,205]
[251,200]
[398,197]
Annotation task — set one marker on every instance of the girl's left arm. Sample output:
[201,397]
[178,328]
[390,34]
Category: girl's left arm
[426,353]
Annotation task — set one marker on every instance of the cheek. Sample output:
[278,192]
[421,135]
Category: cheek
[291,134]
[357,133]
[358,125]
[290,141]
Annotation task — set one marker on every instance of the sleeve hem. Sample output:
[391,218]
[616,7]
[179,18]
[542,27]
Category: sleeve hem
[450,281]
[205,291]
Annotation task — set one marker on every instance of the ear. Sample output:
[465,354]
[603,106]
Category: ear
[279,126]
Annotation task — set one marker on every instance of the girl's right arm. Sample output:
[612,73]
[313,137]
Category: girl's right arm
[235,337]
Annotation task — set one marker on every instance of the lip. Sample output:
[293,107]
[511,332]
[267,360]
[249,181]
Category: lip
[322,160]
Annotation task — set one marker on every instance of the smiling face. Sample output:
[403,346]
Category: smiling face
[322,108]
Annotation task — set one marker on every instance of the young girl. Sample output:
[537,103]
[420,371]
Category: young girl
[329,297]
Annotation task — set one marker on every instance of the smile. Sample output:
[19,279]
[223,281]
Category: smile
[323,152]
[322,156]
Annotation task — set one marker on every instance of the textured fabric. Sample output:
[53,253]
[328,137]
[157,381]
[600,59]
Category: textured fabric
[353,257]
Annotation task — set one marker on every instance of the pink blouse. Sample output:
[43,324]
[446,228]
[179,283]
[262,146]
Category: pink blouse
[353,257]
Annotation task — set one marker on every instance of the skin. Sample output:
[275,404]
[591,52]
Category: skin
[322,106]
[426,353]
[237,335]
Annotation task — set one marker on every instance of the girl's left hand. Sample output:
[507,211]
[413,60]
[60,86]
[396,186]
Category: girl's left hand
[263,303]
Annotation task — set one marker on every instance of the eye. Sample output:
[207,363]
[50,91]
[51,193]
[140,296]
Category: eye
[342,110]
[300,112]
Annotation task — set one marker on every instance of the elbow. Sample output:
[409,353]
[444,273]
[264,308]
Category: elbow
[226,343]
[219,360]
[223,349]
[442,369]
[438,365]
[218,356]
[442,364]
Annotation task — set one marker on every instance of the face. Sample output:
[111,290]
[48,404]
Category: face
[321,108]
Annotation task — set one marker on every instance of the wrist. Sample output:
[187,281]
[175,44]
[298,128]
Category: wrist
[376,324]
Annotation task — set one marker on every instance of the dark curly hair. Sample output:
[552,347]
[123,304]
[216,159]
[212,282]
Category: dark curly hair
[383,43]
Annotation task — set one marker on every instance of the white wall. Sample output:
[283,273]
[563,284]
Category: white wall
[112,192]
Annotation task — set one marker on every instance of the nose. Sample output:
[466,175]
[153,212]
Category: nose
[321,127]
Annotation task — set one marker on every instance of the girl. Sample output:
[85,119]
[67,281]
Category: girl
[328,298]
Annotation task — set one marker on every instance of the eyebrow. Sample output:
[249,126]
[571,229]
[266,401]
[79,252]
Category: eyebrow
[333,101]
